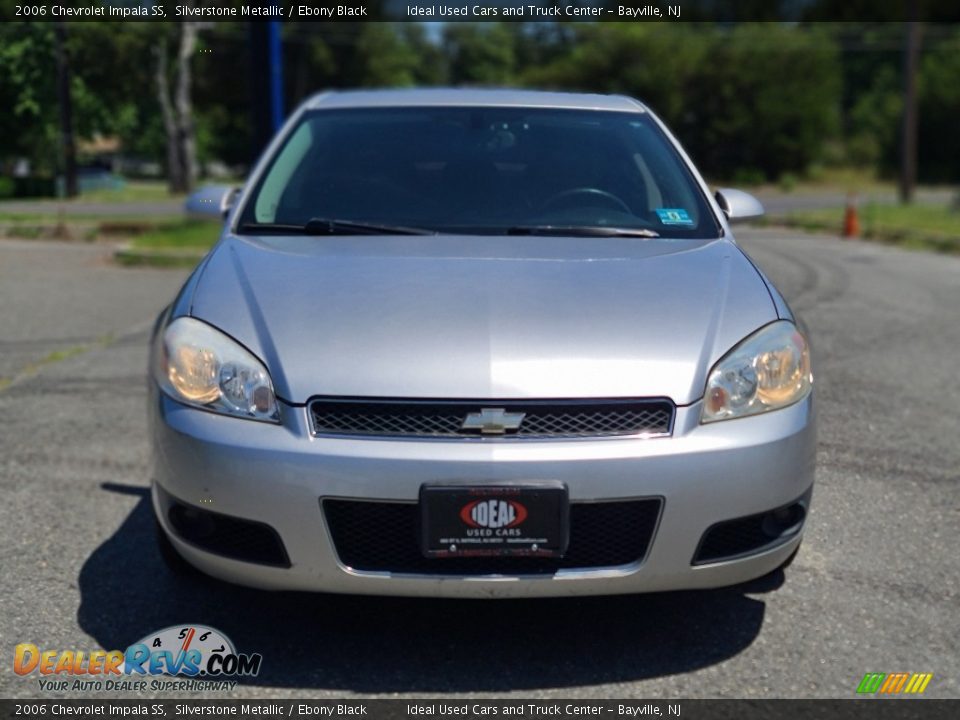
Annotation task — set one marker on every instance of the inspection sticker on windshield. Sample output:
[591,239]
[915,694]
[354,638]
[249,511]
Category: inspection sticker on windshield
[674,216]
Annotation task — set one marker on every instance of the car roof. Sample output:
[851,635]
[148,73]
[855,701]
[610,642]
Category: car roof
[460,97]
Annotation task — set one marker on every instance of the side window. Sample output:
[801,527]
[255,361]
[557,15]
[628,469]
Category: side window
[283,168]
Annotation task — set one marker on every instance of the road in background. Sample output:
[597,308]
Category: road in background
[777,202]
[875,588]
[66,298]
[774,200]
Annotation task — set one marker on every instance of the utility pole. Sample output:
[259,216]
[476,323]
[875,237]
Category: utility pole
[266,55]
[275,53]
[908,138]
[68,147]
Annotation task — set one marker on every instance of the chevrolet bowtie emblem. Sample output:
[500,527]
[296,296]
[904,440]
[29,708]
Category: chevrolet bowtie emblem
[493,421]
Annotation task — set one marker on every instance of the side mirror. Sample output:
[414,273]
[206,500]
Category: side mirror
[212,202]
[738,205]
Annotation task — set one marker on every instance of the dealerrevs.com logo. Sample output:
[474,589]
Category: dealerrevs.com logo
[203,657]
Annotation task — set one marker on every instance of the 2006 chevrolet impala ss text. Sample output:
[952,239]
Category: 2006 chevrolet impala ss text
[479,343]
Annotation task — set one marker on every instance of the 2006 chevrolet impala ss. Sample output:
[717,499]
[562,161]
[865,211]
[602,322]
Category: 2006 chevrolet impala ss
[480,344]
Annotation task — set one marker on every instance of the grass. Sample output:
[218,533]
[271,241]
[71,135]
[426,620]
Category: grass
[128,257]
[923,227]
[847,179]
[46,231]
[818,180]
[132,191]
[196,234]
[156,240]
[40,217]
[25,232]
[175,244]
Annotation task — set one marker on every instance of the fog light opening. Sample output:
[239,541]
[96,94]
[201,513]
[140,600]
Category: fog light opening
[192,524]
[783,521]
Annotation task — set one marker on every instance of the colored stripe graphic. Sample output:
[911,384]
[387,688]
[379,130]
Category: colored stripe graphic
[871,683]
[894,683]
[918,683]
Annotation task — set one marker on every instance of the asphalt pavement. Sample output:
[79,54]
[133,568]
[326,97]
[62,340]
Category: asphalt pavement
[876,586]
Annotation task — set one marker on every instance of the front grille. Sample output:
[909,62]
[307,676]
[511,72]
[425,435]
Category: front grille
[445,419]
[385,537]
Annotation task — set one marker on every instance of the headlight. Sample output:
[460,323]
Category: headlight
[199,365]
[767,371]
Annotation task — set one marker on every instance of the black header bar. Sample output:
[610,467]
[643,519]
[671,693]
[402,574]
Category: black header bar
[480,11]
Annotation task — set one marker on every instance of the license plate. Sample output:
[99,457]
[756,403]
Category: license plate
[524,519]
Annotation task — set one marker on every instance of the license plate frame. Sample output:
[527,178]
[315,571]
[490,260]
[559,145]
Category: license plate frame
[520,519]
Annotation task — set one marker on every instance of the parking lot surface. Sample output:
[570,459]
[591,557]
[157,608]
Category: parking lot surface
[876,586]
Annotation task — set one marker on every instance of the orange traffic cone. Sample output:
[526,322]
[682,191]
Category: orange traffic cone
[851,223]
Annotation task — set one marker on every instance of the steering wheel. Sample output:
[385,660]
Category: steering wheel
[607,198]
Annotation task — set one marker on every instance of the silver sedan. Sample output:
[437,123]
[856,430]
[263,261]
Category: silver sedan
[474,343]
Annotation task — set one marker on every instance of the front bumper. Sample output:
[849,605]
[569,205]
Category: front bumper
[278,474]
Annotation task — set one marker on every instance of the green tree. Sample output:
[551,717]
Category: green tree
[479,53]
[766,98]
[759,98]
[397,55]
[28,95]
[939,145]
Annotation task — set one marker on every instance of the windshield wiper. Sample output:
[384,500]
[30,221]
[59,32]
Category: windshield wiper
[331,226]
[581,231]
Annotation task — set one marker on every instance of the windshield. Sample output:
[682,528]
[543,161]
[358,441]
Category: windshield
[481,171]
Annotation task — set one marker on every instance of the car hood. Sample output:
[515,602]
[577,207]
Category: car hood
[483,317]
